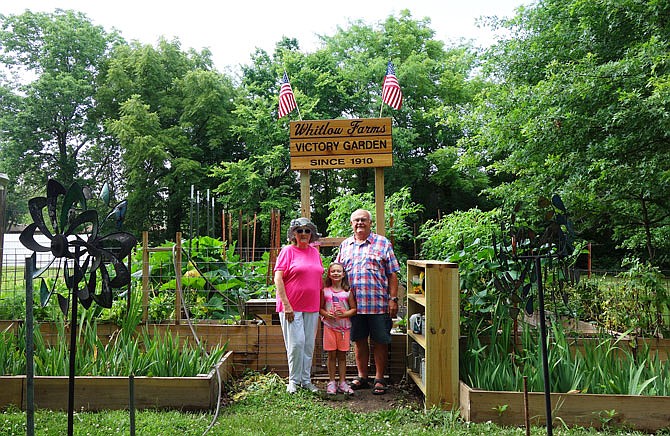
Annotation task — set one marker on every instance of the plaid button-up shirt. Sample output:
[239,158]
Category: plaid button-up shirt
[368,265]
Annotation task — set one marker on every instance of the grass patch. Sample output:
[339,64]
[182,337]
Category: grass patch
[259,405]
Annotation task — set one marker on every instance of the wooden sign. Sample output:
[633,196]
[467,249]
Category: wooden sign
[330,144]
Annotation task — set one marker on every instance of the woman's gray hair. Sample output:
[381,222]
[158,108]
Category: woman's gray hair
[302,222]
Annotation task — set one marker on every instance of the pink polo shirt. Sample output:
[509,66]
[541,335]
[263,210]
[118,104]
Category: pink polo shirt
[303,273]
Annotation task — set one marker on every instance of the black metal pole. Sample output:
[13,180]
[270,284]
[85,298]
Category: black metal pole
[73,354]
[30,348]
[543,339]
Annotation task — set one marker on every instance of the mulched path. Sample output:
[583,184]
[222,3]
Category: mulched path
[401,394]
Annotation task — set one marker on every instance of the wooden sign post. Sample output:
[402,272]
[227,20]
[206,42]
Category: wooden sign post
[331,144]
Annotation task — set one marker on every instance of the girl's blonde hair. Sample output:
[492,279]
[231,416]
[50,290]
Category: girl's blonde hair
[345,280]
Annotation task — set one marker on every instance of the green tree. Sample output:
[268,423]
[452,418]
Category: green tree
[343,79]
[436,87]
[172,114]
[581,110]
[145,155]
[52,62]
[258,178]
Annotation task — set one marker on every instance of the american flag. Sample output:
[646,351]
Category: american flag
[286,97]
[391,92]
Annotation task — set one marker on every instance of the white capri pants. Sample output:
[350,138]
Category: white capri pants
[299,338]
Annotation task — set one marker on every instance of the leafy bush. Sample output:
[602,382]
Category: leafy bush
[467,239]
[215,280]
[399,212]
[635,300]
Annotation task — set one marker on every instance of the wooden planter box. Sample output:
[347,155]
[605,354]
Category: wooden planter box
[644,413]
[259,347]
[112,393]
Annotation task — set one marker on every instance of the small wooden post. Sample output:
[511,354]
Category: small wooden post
[246,254]
[589,261]
[305,209]
[239,235]
[379,201]
[253,244]
[223,234]
[223,226]
[177,272]
[230,227]
[145,276]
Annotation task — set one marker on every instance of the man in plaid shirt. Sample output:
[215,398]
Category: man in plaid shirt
[372,269]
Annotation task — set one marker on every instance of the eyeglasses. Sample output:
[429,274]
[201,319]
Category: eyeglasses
[356,220]
[301,231]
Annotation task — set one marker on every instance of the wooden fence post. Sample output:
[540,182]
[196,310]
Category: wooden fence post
[177,272]
[145,276]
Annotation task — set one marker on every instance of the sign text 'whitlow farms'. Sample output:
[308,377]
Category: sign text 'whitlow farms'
[329,144]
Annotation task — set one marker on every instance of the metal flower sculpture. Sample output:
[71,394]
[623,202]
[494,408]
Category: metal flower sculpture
[77,246]
[521,245]
[524,253]
[85,256]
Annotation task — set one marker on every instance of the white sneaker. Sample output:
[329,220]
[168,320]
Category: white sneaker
[291,388]
[310,387]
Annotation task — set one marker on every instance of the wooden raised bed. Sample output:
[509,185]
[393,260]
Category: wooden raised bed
[112,393]
[259,347]
[645,413]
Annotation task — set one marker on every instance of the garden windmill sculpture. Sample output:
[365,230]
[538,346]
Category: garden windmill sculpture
[90,261]
[529,248]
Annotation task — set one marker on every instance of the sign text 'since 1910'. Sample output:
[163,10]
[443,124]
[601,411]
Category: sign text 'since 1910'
[329,144]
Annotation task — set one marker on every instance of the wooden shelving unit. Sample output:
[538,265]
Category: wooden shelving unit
[435,371]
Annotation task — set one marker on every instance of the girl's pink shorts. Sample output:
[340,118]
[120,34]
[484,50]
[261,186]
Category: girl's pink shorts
[335,340]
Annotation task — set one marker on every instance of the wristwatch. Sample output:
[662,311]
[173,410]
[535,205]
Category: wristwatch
[394,299]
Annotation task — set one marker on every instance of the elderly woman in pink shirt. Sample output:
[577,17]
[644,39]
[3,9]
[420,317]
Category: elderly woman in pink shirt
[298,279]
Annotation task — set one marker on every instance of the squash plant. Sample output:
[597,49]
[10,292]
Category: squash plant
[216,282]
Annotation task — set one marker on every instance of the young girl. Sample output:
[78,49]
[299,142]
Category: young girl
[338,305]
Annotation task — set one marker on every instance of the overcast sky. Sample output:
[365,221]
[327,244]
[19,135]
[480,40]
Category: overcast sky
[232,29]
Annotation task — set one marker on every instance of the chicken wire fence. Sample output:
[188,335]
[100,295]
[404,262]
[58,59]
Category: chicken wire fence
[203,281]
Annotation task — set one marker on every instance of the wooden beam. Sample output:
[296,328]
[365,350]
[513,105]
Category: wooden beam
[305,209]
[379,201]
[145,276]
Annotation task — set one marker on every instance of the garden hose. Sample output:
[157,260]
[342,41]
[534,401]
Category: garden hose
[197,340]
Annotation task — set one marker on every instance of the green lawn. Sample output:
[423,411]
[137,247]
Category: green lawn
[259,405]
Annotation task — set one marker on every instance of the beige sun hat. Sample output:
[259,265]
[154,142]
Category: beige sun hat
[302,222]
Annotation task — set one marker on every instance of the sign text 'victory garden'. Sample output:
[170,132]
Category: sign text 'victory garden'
[328,144]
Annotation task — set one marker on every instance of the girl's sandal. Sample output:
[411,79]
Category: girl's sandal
[331,389]
[359,383]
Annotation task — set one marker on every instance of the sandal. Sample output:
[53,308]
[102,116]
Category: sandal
[359,383]
[331,389]
[379,387]
[344,388]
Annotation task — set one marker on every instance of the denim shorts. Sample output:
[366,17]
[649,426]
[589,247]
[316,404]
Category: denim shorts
[377,327]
